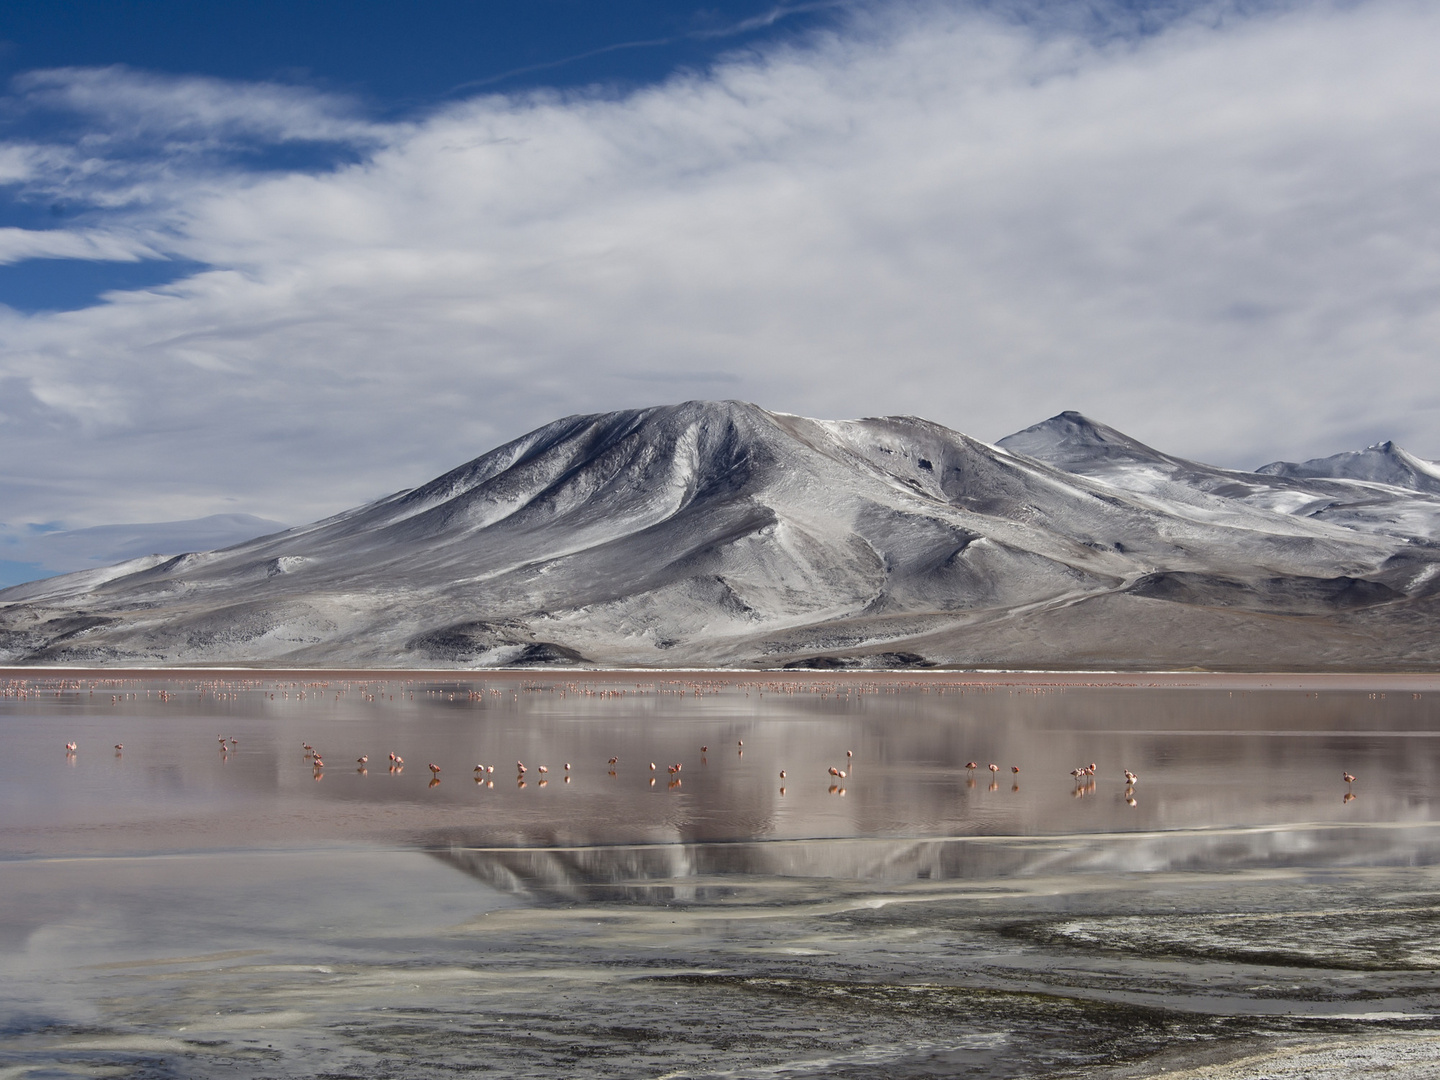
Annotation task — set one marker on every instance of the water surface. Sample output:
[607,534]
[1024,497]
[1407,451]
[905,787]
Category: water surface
[179,908]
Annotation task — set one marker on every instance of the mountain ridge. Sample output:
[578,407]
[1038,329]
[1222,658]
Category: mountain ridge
[1381,463]
[1319,490]
[718,533]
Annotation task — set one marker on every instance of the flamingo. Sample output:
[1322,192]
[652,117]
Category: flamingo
[782,777]
[363,759]
[613,760]
[1015,769]
[1349,778]
[435,768]
[1130,777]
[993,767]
[972,765]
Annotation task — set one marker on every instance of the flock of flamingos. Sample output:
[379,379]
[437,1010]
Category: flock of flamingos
[484,774]
[1084,775]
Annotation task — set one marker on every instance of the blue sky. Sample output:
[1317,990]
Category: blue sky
[400,56]
[277,259]
[396,61]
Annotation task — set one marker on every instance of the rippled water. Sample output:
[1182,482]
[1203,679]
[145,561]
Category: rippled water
[173,908]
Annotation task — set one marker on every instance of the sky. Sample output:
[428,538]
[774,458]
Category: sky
[280,258]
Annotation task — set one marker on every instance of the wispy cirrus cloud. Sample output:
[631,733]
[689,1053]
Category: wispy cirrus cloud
[710,32]
[120,140]
[1216,229]
[17,245]
[118,103]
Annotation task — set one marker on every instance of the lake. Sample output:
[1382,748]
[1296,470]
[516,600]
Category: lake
[187,907]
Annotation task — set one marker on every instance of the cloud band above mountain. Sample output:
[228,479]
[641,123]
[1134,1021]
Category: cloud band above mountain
[1216,231]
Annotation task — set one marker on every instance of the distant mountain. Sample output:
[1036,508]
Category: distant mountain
[61,550]
[1079,445]
[1383,463]
[717,533]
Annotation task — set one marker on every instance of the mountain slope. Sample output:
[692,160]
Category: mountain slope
[720,533]
[104,545]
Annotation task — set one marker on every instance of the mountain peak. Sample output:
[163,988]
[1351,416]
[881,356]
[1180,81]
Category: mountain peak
[1070,439]
[1381,463]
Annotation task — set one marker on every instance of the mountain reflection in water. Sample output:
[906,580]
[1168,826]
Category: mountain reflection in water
[195,908]
[701,873]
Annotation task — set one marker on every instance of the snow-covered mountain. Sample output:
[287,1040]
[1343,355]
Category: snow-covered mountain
[1382,490]
[1383,463]
[722,534]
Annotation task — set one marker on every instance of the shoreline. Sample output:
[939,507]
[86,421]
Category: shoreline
[1158,680]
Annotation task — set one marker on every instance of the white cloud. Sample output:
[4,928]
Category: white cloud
[128,104]
[1222,236]
[16,245]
